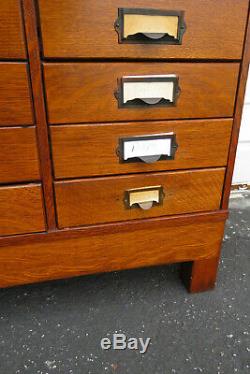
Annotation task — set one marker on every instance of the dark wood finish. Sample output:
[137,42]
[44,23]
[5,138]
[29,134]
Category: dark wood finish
[12,45]
[237,118]
[40,113]
[18,155]
[87,254]
[15,96]
[97,200]
[88,150]
[84,92]
[77,28]
[21,209]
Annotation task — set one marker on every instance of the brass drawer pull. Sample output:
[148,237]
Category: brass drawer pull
[147,148]
[144,197]
[150,26]
[148,90]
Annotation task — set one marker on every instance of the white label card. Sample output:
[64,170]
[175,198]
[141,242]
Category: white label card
[144,90]
[150,147]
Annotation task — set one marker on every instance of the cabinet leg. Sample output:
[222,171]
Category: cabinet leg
[199,276]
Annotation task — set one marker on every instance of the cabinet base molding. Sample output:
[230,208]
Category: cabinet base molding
[194,238]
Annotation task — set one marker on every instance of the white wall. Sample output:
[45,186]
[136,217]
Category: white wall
[242,165]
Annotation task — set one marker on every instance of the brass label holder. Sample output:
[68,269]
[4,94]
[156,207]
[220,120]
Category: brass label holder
[145,197]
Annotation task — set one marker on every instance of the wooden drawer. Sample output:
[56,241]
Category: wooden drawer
[85,92]
[88,150]
[214,29]
[96,200]
[15,96]
[18,155]
[12,43]
[21,209]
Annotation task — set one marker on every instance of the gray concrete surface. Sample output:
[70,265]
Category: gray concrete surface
[57,327]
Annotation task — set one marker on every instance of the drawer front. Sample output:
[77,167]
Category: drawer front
[88,150]
[12,43]
[15,96]
[97,200]
[21,209]
[86,92]
[18,155]
[214,29]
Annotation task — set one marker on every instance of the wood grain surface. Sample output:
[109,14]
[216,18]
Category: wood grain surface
[200,275]
[117,227]
[33,47]
[12,44]
[154,243]
[98,200]
[88,150]
[21,209]
[84,92]
[18,155]
[77,28]
[244,72]
[81,106]
[15,95]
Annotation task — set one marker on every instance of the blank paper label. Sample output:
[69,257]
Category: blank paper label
[145,90]
[144,196]
[140,23]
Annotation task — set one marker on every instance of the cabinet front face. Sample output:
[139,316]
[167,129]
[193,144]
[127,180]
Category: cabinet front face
[12,45]
[92,150]
[118,130]
[103,92]
[196,29]
[21,209]
[15,95]
[18,155]
[154,244]
[110,199]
